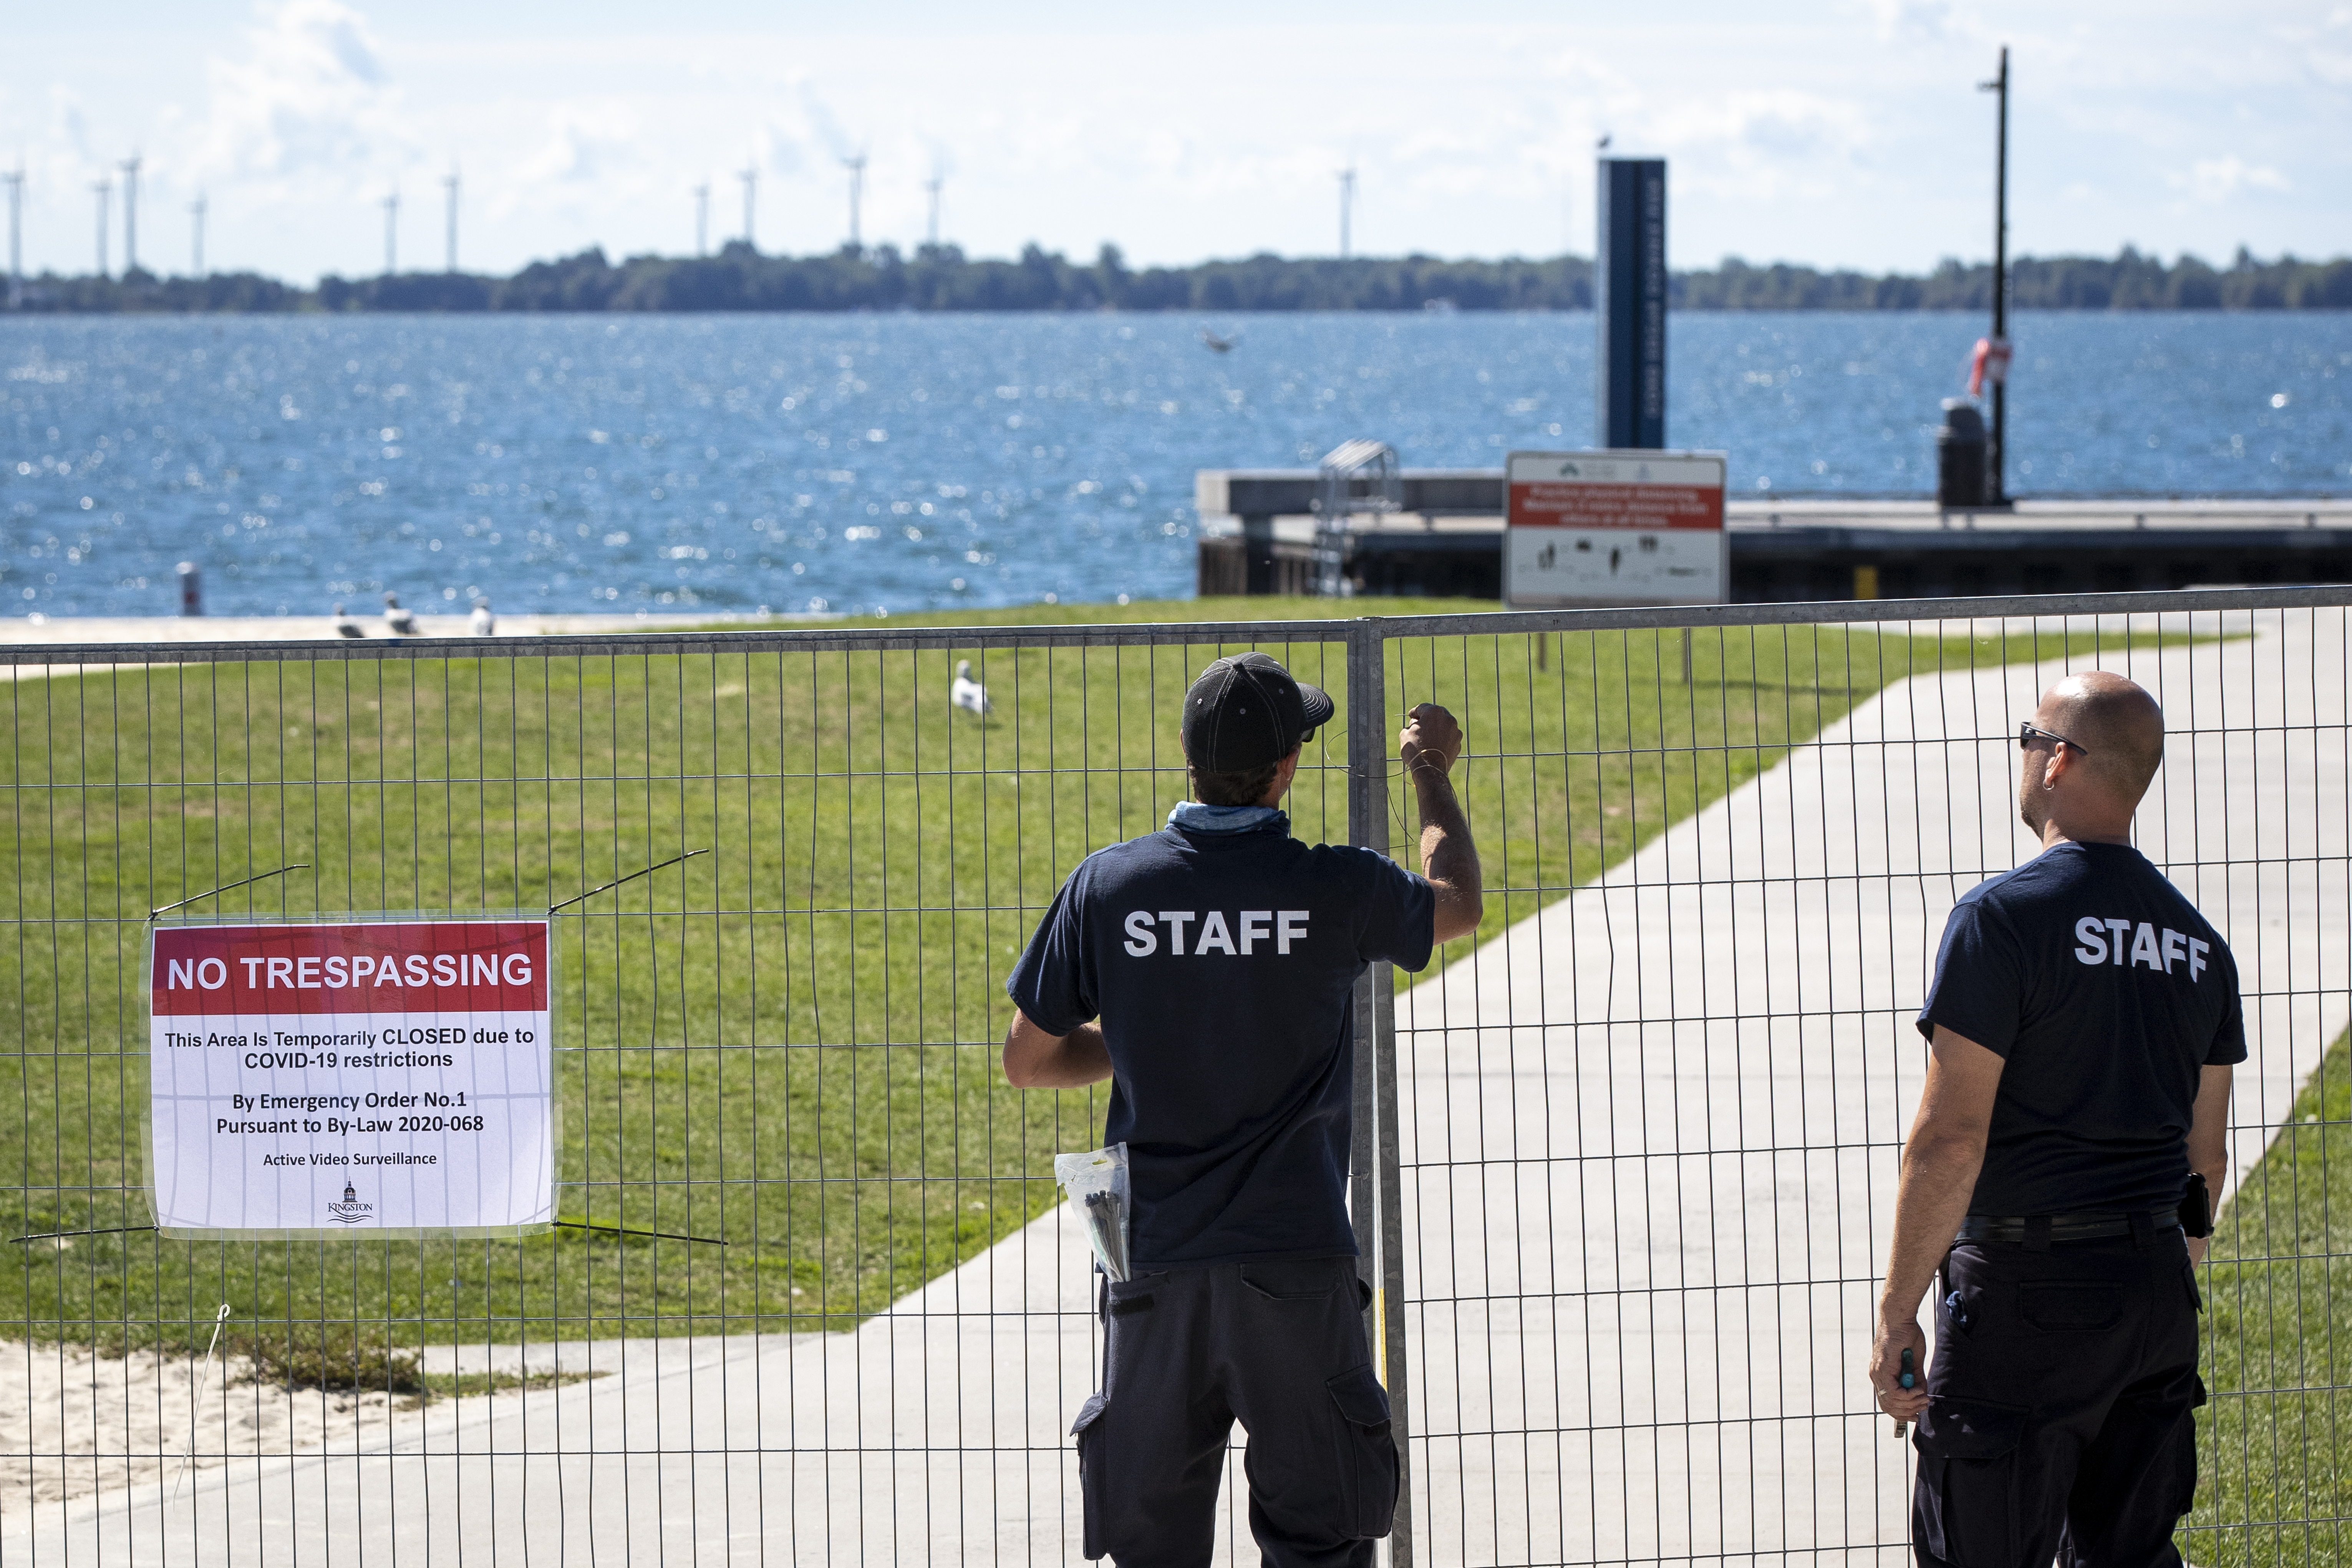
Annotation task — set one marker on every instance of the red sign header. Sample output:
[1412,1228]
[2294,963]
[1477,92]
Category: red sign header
[422,966]
[1648,507]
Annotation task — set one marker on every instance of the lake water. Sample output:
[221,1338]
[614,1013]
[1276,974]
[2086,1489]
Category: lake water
[668,463]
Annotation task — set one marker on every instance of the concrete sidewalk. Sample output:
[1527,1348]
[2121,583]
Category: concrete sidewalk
[1650,1136]
[932,1435]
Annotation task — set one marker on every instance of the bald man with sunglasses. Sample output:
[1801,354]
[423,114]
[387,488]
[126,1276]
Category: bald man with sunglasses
[2082,1021]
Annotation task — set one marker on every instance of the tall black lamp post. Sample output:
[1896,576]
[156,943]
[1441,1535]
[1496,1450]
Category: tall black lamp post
[1995,451]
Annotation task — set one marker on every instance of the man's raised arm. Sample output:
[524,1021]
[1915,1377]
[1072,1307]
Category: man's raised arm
[1430,744]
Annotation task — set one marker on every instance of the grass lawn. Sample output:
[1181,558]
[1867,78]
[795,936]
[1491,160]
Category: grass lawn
[788,1044]
[2278,1347]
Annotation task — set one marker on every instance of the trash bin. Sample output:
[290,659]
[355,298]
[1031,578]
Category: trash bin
[1961,455]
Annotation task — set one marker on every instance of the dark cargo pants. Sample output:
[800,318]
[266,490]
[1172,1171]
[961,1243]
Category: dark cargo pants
[1279,1346]
[2058,1413]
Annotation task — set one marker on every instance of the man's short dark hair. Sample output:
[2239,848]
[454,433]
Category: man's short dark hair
[1245,788]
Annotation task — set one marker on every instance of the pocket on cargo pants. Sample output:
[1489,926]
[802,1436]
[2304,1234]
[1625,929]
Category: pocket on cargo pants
[1088,1431]
[1368,1456]
[1964,1507]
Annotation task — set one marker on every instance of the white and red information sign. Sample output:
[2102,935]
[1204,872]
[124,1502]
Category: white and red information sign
[1614,528]
[348,1077]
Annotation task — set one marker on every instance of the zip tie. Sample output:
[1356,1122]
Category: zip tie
[167,909]
[203,1375]
[630,878]
[624,1230]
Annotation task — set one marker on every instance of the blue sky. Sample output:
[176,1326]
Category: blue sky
[1837,132]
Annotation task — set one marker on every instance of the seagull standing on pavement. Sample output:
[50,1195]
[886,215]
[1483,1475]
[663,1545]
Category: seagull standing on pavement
[484,624]
[400,623]
[969,694]
[345,627]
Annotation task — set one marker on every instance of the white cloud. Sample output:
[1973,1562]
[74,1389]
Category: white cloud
[584,145]
[1765,145]
[1912,18]
[2327,51]
[308,103]
[2220,179]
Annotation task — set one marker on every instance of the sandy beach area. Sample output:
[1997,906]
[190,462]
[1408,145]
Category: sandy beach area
[75,1422]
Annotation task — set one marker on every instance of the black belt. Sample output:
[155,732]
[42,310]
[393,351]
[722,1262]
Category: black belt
[2040,1230]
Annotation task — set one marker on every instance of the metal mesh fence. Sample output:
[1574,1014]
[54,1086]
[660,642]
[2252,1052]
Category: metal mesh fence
[1625,1161]
[1652,1127]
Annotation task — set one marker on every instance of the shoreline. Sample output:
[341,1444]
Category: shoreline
[82,630]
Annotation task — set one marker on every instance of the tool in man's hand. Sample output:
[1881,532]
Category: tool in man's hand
[1908,1379]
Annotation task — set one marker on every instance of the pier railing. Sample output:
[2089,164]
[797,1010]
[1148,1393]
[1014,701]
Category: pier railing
[1624,1161]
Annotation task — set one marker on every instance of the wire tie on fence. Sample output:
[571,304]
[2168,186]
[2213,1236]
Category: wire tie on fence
[630,878]
[167,909]
[203,1375]
[624,1230]
[61,1235]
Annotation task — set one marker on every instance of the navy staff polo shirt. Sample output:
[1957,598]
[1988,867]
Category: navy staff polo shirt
[2107,995]
[1222,966]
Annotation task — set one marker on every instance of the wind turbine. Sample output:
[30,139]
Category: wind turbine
[391,234]
[855,164]
[131,214]
[16,179]
[1346,207]
[104,191]
[449,183]
[932,186]
[702,218]
[197,235]
[751,178]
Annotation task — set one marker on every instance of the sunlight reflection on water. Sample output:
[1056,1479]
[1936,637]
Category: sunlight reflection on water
[856,462]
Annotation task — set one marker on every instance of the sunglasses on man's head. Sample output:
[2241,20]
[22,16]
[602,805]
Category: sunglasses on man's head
[2027,731]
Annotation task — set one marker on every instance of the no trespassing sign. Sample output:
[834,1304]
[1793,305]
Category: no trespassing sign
[355,1075]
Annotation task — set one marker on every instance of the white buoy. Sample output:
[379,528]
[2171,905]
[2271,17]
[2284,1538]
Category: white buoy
[969,694]
[483,624]
[345,627]
[400,623]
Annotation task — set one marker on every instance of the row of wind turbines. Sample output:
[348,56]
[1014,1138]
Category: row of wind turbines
[855,163]
[104,188]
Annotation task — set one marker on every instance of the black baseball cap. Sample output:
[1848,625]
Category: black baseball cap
[1246,711]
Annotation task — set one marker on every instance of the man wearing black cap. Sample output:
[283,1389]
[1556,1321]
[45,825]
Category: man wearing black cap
[1207,970]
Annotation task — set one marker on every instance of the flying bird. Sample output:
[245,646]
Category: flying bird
[345,627]
[400,623]
[483,624]
[1220,345]
[1603,145]
[969,694]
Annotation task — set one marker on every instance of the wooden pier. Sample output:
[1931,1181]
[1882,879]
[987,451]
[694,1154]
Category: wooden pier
[1257,533]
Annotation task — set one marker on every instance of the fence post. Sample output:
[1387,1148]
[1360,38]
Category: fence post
[1375,1187]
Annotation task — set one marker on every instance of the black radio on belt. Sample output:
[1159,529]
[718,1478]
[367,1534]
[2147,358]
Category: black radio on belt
[2196,1207]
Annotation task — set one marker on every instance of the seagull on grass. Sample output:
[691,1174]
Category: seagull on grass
[345,627]
[969,694]
[400,623]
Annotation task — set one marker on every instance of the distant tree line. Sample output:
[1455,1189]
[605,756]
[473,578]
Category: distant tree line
[2129,282]
[941,277]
